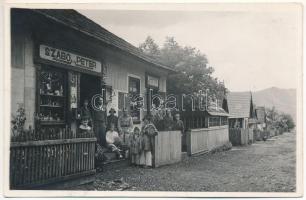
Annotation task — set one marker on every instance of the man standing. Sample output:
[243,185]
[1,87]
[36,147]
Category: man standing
[112,119]
[85,112]
[178,123]
[99,121]
[125,126]
[168,121]
[179,126]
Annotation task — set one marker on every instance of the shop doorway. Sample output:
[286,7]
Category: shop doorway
[89,86]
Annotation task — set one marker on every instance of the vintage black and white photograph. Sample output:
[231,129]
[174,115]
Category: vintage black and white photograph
[187,98]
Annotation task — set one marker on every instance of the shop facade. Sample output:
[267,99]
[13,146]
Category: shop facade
[60,58]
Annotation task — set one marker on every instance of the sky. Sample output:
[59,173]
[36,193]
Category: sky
[250,48]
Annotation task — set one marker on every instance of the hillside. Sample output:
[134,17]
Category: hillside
[284,100]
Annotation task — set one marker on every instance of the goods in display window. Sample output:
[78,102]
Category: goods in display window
[52,96]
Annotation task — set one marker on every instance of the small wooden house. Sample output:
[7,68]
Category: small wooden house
[241,110]
[242,117]
[261,118]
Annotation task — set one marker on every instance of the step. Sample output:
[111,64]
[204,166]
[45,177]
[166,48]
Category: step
[110,155]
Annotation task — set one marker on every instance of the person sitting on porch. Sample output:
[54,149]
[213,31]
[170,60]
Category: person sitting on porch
[149,132]
[136,146]
[84,129]
[113,140]
[168,121]
[112,119]
[125,126]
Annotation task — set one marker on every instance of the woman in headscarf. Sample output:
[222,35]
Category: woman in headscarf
[149,132]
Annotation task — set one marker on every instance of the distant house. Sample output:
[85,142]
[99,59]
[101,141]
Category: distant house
[241,110]
[260,113]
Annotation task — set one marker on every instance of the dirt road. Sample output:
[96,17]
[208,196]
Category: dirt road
[261,167]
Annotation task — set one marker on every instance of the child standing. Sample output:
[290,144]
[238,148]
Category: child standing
[136,146]
[84,129]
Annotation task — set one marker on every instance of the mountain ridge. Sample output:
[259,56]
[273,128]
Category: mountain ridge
[284,100]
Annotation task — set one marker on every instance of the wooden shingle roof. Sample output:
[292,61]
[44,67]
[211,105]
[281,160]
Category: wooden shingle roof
[79,22]
[239,104]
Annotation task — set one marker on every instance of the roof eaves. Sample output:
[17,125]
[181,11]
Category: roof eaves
[145,58]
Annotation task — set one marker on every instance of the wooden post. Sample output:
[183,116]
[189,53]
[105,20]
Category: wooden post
[188,142]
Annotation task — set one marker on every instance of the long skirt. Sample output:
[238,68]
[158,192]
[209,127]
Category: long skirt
[100,132]
[135,159]
[145,158]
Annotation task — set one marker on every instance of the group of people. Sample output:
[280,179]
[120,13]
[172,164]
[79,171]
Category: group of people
[142,143]
[170,123]
[118,134]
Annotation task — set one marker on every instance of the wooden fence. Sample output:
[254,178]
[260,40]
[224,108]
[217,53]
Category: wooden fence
[168,148]
[251,136]
[206,139]
[37,163]
[259,135]
[240,136]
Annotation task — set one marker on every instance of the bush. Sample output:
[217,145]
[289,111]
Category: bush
[224,147]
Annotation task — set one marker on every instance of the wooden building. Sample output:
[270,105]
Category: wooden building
[59,58]
[242,117]
[241,110]
[206,130]
[261,117]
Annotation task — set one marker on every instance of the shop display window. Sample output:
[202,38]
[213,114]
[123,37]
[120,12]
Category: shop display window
[52,96]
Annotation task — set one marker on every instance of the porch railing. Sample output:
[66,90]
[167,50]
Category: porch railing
[35,163]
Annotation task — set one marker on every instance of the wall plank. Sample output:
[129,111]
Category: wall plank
[168,148]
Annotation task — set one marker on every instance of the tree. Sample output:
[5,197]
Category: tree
[287,121]
[279,120]
[194,73]
[150,48]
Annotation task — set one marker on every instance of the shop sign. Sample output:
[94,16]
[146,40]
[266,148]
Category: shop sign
[153,81]
[67,58]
